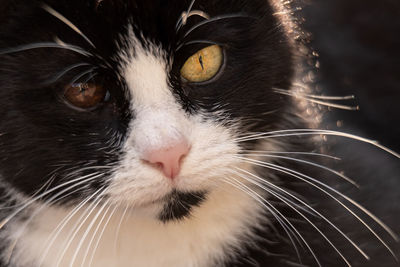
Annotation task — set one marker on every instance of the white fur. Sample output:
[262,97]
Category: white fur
[159,122]
[212,232]
[210,235]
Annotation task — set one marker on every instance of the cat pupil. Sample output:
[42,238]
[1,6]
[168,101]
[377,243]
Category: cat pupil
[201,62]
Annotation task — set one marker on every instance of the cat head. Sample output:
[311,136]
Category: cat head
[141,102]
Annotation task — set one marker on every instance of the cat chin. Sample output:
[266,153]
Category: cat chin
[175,206]
[195,240]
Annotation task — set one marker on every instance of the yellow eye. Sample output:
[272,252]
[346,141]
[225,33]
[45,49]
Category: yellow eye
[203,65]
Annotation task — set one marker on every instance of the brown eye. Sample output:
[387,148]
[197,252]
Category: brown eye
[84,95]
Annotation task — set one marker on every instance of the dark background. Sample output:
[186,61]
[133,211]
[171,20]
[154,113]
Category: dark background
[359,46]
[358,42]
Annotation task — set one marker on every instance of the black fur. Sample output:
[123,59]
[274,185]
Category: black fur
[179,205]
[42,138]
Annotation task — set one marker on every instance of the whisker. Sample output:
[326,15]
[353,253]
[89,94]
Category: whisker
[88,229]
[294,153]
[44,187]
[214,19]
[311,164]
[86,253]
[311,181]
[308,132]
[79,180]
[285,224]
[310,222]
[316,101]
[185,16]
[32,46]
[57,231]
[101,235]
[191,6]
[119,229]
[22,229]
[180,23]
[275,189]
[189,13]
[67,22]
[62,73]
[91,77]
[81,75]
[303,203]
[321,97]
[78,227]
[80,170]
[266,204]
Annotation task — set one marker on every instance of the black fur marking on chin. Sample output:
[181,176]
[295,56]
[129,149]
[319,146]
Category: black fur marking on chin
[179,205]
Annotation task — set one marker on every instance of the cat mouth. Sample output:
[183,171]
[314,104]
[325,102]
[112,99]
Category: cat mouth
[179,205]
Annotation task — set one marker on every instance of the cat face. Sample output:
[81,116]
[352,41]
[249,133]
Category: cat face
[141,102]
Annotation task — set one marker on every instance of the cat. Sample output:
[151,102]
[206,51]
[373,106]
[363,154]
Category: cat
[170,133]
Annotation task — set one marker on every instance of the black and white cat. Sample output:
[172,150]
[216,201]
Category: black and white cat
[168,133]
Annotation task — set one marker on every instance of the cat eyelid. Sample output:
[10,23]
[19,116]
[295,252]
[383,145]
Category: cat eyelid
[195,42]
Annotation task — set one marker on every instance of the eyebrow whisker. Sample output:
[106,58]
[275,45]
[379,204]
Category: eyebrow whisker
[67,22]
[216,18]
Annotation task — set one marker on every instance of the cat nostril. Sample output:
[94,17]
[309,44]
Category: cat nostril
[168,160]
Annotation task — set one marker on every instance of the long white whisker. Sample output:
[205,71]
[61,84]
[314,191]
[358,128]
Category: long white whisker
[308,132]
[338,98]
[316,101]
[55,233]
[187,14]
[285,224]
[67,22]
[101,235]
[119,229]
[264,203]
[293,153]
[311,181]
[305,218]
[44,187]
[79,180]
[299,200]
[78,227]
[309,163]
[76,172]
[86,253]
[86,233]
[22,229]
[275,189]
[32,46]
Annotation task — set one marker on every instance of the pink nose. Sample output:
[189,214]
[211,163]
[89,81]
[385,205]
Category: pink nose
[169,160]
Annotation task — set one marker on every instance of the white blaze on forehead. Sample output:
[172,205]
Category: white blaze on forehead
[159,121]
[146,73]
